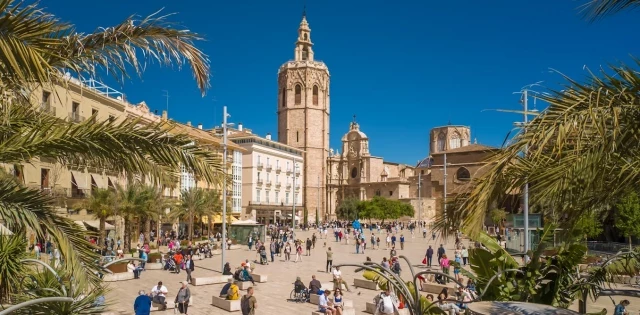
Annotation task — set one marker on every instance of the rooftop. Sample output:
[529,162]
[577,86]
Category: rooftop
[469,148]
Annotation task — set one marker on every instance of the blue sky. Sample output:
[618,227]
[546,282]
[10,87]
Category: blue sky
[401,67]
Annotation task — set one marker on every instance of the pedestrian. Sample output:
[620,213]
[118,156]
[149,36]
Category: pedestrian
[272,249]
[393,240]
[386,304]
[465,255]
[298,252]
[621,309]
[445,264]
[142,304]
[441,252]
[329,259]
[189,266]
[429,256]
[182,298]
[309,244]
[248,304]
[401,241]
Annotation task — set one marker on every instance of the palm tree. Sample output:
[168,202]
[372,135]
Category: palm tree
[37,49]
[582,149]
[153,206]
[597,9]
[128,203]
[101,203]
[194,203]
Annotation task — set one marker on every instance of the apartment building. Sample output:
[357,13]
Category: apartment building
[271,178]
[72,184]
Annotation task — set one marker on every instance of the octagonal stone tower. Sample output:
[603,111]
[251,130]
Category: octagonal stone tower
[448,138]
[303,117]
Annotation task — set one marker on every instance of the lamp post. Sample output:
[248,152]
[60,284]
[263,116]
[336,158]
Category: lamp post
[224,185]
[419,197]
[318,206]
[293,208]
[445,187]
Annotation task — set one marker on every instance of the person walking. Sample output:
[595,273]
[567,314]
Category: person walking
[182,298]
[465,255]
[248,304]
[298,252]
[189,266]
[287,252]
[309,243]
[329,259]
[441,252]
[142,304]
[401,241]
[272,249]
[429,256]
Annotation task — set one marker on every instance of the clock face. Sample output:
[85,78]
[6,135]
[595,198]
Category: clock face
[354,172]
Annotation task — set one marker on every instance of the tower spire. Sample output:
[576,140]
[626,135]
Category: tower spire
[303,49]
[304,11]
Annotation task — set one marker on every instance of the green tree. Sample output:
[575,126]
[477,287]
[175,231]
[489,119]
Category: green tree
[128,203]
[348,209]
[381,208]
[195,203]
[498,216]
[102,204]
[628,216]
[590,223]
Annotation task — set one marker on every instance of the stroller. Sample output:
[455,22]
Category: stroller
[170,265]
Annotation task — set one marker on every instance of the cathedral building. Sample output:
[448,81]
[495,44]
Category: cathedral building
[303,117]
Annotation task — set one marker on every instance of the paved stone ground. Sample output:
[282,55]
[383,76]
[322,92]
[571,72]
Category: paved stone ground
[272,296]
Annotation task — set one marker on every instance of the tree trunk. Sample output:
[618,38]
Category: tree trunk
[147,229]
[102,235]
[127,235]
[630,244]
[190,226]
[210,227]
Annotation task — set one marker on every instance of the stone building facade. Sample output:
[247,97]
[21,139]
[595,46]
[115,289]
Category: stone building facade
[448,137]
[272,178]
[355,173]
[303,116]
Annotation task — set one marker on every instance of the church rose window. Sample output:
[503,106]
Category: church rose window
[298,94]
[354,172]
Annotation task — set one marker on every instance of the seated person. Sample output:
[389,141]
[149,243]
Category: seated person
[299,286]
[245,275]
[238,274]
[323,303]
[224,293]
[227,269]
[314,285]
[234,292]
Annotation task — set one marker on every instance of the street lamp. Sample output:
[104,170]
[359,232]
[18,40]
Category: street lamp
[224,185]
[525,193]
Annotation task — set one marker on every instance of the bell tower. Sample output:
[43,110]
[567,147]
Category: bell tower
[303,118]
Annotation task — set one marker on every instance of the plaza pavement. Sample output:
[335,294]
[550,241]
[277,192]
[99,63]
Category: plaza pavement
[272,296]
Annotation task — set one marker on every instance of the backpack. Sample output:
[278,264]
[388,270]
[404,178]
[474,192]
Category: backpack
[245,306]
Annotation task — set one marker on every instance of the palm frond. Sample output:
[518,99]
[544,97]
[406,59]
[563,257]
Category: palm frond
[124,147]
[23,208]
[133,43]
[582,152]
[597,9]
[13,252]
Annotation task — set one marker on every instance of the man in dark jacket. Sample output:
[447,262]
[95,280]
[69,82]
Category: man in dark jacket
[314,285]
[189,266]
[429,256]
[440,252]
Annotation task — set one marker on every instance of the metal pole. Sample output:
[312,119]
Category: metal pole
[526,184]
[318,207]
[224,186]
[293,209]
[445,187]
[419,197]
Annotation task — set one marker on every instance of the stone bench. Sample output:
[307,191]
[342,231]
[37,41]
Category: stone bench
[315,299]
[365,284]
[120,276]
[243,285]
[210,280]
[228,305]
[346,311]
[259,278]
[435,288]
[621,279]
[153,266]
[330,286]
[371,309]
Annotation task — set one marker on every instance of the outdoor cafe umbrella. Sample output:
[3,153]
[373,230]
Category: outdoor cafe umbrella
[516,308]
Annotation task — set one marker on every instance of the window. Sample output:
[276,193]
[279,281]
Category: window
[390,192]
[378,192]
[46,97]
[266,196]
[297,136]
[258,176]
[354,172]
[454,142]
[94,114]
[305,36]
[315,95]
[284,97]
[276,200]
[257,195]
[440,144]
[112,118]
[277,180]
[463,174]
[286,198]
[267,177]
[44,178]
[305,52]
[298,98]
[267,161]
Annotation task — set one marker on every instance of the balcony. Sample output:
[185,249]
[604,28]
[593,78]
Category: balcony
[297,187]
[297,172]
[259,166]
[278,185]
[75,117]
[278,169]
[288,186]
[260,182]
[268,167]
[288,171]
[268,183]
[47,108]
